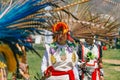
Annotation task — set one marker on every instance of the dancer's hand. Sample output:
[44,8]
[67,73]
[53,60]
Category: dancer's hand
[47,74]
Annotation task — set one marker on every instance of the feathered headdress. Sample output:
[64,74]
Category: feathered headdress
[89,18]
[60,25]
[18,19]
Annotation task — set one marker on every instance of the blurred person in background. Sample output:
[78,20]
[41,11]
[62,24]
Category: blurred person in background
[90,60]
[22,70]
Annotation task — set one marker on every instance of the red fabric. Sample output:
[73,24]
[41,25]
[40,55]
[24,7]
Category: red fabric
[99,51]
[70,38]
[104,48]
[29,40]
[94,74]
[59,73]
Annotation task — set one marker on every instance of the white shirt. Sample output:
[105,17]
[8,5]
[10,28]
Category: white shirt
[63,60]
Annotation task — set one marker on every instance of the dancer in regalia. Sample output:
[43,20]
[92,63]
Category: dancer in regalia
[60,58]
[90,56]
[17,19]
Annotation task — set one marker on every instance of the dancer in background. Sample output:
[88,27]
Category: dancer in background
[90,60]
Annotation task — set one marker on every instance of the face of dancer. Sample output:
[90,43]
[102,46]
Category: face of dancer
[61,38]
[89,40]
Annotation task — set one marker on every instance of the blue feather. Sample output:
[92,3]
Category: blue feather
[20,12]
[17,12]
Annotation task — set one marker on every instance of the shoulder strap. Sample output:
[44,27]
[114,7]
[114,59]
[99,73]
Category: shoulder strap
[100,50]
[79,51]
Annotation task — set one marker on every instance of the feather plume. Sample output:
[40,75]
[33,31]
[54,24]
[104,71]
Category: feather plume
[88,19]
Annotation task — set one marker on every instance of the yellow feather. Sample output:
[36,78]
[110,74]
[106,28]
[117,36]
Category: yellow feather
[9,56]
[2,65]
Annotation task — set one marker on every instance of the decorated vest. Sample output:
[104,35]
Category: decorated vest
[62,58]
[93,54]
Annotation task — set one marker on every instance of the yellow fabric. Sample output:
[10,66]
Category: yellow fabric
[9,56]
[53,60]
[73,57]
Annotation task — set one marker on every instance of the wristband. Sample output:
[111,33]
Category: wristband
[101,72]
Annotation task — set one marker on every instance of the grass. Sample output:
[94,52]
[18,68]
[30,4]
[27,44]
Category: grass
[34,62]
[110,73]
[111,54]
[111,70]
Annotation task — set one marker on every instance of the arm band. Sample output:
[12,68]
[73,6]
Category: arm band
[101,72]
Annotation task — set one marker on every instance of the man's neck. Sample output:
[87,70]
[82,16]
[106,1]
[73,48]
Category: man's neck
[61,43]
